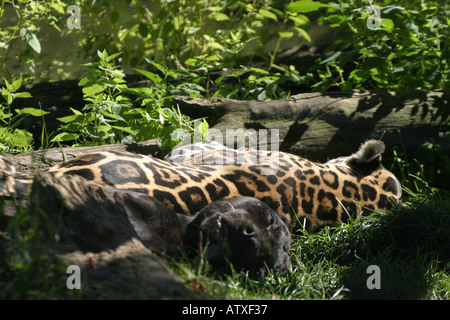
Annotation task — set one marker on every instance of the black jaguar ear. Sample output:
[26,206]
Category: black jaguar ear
[368,157]
[272,204]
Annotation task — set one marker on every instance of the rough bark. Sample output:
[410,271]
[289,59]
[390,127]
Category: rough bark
[325,125]
[43,159]
[317,126]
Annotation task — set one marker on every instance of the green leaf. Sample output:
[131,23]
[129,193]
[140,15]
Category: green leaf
[218,16]
[75,111]
[57,7]
[332,57]
[102,55]
[7,96]
[93,90]
[392,8]
[234,75]
[215,45]
[21,138]
[71,118]
[192,30]
[114,16]
[304,33]
[103,129]
[125,129]
[34,43]
[305,6]
[269,15]
[359,75]
[286,34]
[28,36]
[259,70]
[113,56]
[387,24]
[22,95]
[336,20]
[65,136]
[299,20]
[192,62]
[85,80]
[143,30]
[16,85]
[32,112]
[159,65]
[214,8]
[174,73]
[113,72]
[150,75]
[4,116]
[212,57]
[202,129]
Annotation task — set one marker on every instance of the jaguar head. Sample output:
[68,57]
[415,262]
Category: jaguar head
[243,232]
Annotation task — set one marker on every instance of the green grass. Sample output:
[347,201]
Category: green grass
[411,246]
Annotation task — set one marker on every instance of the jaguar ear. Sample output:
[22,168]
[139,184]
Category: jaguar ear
[368,157]
[271,203]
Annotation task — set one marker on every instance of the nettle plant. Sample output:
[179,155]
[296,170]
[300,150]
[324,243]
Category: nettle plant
[23,27]
[156,102]
[104,117]
[12,138]
[115,113]
[391,47]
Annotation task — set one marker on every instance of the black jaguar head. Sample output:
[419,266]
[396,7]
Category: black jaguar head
[243,232]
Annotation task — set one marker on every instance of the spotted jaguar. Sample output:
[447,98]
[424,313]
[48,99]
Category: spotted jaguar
[242,231]
[311,194]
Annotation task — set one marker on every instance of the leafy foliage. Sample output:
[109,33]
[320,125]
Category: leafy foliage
[408,49]
[405,49]
[12,138]
[110,115]
[29,270]
[106,108]
[22,31]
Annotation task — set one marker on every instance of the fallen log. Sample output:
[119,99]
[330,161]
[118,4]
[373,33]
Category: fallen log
[43,159]
[318,126]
